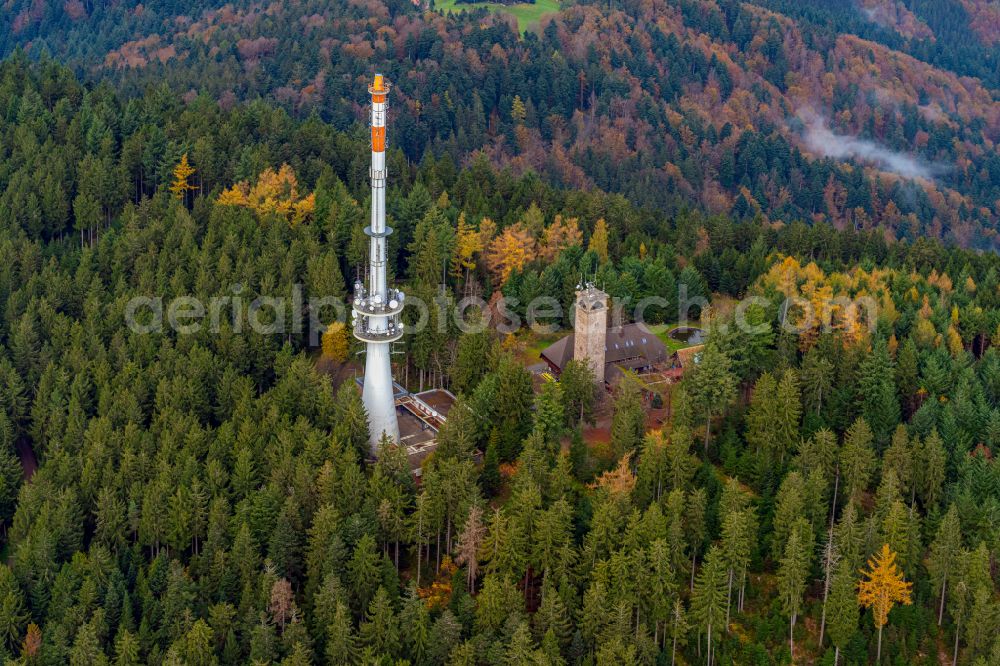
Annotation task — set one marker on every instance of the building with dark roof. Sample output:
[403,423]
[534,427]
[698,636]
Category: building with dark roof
[629,347]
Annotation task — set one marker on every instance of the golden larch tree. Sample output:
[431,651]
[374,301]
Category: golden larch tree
[335,342]
[599,240]
[467,244]
[275,193]
[517,110]
[561,234]
[882,588]
[182,174]
[510,251]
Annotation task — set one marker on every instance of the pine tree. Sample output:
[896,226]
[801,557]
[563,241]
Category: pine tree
[363,571]
[983,621]
[628,421]
[694,525]
[792,574]
[497,602]
[877,396]
[857,459]
[126,649]
[907,373]
[553,616]
[550,416]
[521,649]
[708,602]
[959,603]
[945,551]
[711,385]
[789,505]
[932,465]
[341,644]
[762,414]
[580,391]
[198,645]
[678,629]
[842,609]
[817,380]
[900,458]
[789,411]
[13,615]
[738,527]
[882,588]
[380,629]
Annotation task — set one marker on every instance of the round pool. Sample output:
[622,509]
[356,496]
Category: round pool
[688,334]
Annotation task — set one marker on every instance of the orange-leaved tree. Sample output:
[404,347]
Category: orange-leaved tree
[882,588]
[510,251]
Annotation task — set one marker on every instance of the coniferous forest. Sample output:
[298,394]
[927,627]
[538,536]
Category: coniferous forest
[823,495]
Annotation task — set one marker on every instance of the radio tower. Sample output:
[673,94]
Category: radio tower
[377,307]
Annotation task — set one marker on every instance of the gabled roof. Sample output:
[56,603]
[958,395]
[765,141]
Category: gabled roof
[630,346]
[688,356]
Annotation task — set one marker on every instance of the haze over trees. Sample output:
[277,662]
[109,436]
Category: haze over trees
[875,114]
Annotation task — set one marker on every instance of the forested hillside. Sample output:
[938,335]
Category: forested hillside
[875,115]
[201,498]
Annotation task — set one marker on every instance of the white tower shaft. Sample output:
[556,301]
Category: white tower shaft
[377,308]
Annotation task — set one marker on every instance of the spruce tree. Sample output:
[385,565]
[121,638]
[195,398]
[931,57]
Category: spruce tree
[842,609]
[708,601]
[944,554]
[792,574]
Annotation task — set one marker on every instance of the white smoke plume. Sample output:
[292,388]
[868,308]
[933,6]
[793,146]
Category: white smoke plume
[819,138]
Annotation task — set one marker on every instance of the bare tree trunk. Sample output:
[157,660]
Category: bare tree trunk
[833,502]
[693,556]
[419,552]
[826,585]
[944,585]
[729,598]
[954,654]
[743,587]
[708,431]
[708,644]
[791,638]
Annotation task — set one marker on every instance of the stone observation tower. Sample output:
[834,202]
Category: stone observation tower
[376,306]
[591,328]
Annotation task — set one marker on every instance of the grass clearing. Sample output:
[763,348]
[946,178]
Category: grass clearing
[527,14]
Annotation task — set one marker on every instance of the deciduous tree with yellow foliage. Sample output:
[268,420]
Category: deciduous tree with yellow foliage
[882,588]
[468,244]
[599,240]
[182,174]
[276,192]
[510,251]
[335,342]
[561,234]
